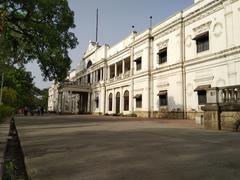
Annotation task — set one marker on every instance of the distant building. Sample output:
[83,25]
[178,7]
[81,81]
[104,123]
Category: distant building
[161,72]
[53,98]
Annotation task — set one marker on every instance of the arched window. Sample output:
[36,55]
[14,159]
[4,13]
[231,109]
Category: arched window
[118,103]
[89,64]
[110,102]
[126,101]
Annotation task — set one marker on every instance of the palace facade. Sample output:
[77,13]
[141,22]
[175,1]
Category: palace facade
[161,72]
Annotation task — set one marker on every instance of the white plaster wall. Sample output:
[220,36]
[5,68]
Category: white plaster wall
[118,58]
[172,42]
[141,87]
[170,81]
[141,51]
[236,19]
[120,46]
[217,36]
[214,73]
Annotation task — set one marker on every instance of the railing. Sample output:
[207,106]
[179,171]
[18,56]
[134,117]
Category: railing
[72,84]
[120,77]
[229,94]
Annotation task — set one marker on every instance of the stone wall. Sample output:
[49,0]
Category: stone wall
[211,120]
[141,113]
[230,121]
[168,115]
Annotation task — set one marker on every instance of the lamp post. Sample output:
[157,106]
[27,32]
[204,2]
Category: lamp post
[1,88]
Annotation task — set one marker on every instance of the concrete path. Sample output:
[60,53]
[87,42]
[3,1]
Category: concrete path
[113,148]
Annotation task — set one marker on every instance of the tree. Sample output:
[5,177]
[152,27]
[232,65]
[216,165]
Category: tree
[9,96]
[22,82]
[37,30]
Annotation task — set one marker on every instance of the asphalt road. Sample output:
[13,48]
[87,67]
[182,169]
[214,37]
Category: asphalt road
[106,148]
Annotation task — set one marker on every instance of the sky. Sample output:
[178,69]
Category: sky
[116,18]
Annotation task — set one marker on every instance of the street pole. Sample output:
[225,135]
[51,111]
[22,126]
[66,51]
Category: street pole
[1,89]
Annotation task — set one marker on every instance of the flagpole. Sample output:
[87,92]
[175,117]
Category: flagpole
[97,25]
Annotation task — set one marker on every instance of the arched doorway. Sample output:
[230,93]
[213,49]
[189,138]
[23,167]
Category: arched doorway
[118,103]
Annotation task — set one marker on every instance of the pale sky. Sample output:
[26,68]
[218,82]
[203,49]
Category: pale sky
[116,18]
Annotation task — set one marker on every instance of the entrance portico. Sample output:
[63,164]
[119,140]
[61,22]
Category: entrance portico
[74,99]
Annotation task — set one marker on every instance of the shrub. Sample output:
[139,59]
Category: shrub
[5,111]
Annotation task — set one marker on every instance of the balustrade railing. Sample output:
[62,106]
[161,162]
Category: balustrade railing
[229,94]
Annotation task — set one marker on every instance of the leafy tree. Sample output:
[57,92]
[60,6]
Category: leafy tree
[37,30]
[22,82]
[9,96]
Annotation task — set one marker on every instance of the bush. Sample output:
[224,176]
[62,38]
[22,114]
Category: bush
[5,111]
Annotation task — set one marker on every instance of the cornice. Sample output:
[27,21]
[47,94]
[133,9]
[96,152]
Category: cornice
[167,30]
[205,11]
[118,53]
[167,68]
[213,56]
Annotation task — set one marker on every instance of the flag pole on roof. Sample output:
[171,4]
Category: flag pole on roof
[97,25]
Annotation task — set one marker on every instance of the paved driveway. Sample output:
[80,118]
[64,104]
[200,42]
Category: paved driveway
[90,148]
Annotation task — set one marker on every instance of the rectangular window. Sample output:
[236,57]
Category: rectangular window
[202,97]
[127,64]
[97,102]
[112,71]
[138,101]
[163,98]
[98,74]
[119,68]
[162,56]
[138,63]
[88,78]
[202,42]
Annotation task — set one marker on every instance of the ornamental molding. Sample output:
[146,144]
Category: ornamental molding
[205,11]
[202,28]
[162,44]
[139,90]
[138,53]
[221,54]
[217,29]
[167,30]
[162,85]
[204,79]
[188,41]
[140,43]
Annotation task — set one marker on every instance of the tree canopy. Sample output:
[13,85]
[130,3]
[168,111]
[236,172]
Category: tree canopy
[37,30]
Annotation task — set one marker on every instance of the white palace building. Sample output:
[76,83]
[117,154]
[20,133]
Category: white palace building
[162,72]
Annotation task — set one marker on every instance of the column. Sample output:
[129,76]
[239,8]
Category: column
[101,73]
[89,102]
[70,101]
[123,66]
[238,95]
[115,69]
